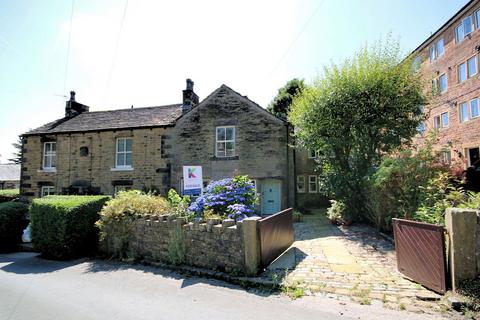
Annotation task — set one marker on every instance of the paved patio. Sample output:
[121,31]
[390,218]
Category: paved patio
[352,261]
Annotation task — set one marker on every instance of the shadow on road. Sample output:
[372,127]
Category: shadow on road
[30,263]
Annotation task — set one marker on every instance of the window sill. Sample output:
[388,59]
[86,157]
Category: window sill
[224,158]
[122,169]
[48,170]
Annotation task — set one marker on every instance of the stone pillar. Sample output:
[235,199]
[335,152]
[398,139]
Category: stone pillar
[251,244]
[461,226]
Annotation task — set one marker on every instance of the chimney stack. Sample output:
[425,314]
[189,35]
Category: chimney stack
[73,108]
[190,98]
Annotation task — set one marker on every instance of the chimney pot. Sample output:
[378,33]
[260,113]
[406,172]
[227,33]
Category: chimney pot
[72,95]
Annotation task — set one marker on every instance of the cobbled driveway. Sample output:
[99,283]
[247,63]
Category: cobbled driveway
[353,261]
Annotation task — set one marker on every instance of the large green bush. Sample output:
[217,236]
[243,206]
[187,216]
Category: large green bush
[12,223]
[115,223]
[64,226]
[9,194]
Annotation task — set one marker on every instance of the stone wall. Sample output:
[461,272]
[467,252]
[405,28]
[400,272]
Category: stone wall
[150,166]
[213,245]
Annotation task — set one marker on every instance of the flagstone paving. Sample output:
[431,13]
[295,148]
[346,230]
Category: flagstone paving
[352,261]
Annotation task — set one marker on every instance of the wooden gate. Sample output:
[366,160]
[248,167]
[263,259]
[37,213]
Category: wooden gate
[420,249]
[276,235]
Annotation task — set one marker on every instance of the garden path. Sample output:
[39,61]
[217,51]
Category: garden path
[353,261]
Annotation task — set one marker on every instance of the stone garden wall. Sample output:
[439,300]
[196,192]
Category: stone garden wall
[213,245]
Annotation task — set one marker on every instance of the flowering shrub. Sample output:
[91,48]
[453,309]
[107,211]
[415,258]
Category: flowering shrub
[233,198]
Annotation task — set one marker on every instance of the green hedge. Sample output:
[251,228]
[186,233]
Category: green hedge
[9,194]
[64,226]
[12,223]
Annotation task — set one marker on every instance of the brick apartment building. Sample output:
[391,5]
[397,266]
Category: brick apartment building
[449,60]
[102,152]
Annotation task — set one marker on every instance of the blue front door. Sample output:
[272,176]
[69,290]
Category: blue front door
[270,196]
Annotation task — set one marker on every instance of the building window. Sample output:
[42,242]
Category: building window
[445,156]
[47,190]
[440,84]
[124,153]
[463,112]
[417,63]
[462,72]
[225,141]
[441,121]
[477,18]
[474,108]
[437,50]
[472,66]
[119,188]
[463,29]
[469,110]
[301,184]
[49,155]
[312,154]
[312,184]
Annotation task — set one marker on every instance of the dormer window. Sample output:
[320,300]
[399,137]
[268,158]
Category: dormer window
[49,155]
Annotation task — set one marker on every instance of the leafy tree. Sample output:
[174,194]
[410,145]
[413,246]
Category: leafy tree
[280,105]
[17,155]
[359,110]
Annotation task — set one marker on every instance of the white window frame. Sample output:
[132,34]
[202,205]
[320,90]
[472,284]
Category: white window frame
[434,49]
[312,154]
[470,108]
[311,182]
[217,141]
[461,114]
[440,83]
[51,155]
[459,38]
[46,191]
[440,124]
[459,68]
[469,75]
[123,153]
[477,19]
[445,156]
[301,182]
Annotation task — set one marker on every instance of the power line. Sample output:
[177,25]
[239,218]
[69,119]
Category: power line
[68,48]
[115,52]
[297,37]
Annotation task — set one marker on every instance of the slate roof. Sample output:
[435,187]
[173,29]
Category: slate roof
[9,172]
[113,119]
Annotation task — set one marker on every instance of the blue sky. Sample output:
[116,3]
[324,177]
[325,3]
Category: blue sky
[141,53]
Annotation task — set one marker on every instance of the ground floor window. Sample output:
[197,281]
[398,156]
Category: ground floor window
[473,155]
[300,184]
[119,188]
[445,156]
[312,184]
[47,190]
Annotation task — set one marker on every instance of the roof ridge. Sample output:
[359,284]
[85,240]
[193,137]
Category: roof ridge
[127,109]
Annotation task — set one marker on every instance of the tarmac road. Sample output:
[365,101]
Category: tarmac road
[32,288]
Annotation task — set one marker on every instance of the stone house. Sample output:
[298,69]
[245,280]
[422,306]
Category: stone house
[9,176]
[146,148]
[448,60]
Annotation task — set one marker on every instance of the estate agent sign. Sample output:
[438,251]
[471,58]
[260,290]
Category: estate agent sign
[192,180]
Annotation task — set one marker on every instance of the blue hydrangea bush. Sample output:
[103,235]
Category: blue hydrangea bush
[234,198]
